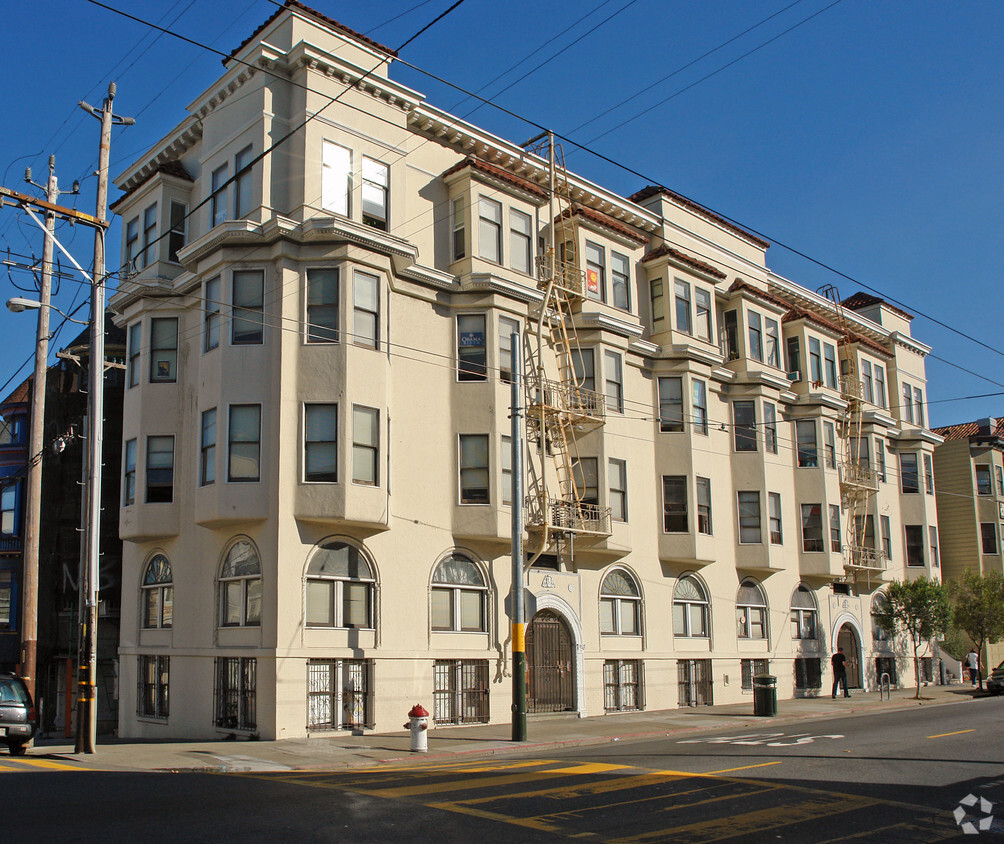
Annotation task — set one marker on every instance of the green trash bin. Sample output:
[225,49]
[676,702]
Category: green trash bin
[765,695]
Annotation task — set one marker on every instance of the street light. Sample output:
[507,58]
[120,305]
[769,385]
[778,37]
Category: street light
[19,304]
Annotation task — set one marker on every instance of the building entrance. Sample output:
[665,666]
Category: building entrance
[550,664]
[849,641]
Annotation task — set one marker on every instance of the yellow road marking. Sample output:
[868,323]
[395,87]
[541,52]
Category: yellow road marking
[775,817]
[489,782]
[42,763]
[956,733]
[581,789]
[743,768]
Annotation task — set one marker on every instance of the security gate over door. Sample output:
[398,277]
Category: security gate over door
[550,669]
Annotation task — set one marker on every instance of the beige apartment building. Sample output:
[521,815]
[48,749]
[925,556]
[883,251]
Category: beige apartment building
[723,467]
[969,470]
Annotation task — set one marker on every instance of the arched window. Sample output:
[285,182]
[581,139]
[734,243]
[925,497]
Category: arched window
[620,605]
[459,596]
[804,615]
[690,609]
[339,587]
[158,593]
[240,586]
[751,611]
[879,635]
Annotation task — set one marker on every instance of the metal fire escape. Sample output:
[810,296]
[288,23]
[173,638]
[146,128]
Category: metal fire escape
[560,409]
[858,480]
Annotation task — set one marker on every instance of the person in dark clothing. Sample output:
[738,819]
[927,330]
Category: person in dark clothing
[839,672]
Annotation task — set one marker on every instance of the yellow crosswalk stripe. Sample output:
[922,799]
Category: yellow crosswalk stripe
[45,764]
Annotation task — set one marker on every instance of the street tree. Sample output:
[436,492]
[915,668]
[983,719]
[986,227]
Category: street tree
[919,609]
[978,607]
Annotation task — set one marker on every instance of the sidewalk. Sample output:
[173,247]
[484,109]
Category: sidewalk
[342,750]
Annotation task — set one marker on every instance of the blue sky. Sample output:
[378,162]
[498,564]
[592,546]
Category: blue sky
[864,134]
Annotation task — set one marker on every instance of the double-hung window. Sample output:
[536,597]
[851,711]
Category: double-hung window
[655,294]
[749,517]
[339,588]
[988,539]
[879,386]
[163,350]
[459,596]
[1000,480]
[704,505]
[244,443]
[755,336]
[620,281]
[880,458]
[149,235]
[751,611]
[472,352]
[490,230]
[507,328]
[815,361]
[928,474]
[474,475]
[984,485]
[128,479]
[158,594]
[683,313]
[918,406]
[835,544]
[336,178]
[812,527]
[830,444]
[935,557]
[586,478]
[241,586]
[906,410]
[596,272]
[211,315]
[322,305]
[915,544]
[729,337]
[702,323]
[691,609]
[376,192]
[674,503]
[520,241]
[805,435]
[247,327]
[620,605]
[908,474]
[243,187]
[218,202]
[769,427]
[794,359]
[365,445]
[178,223]
[885,525]
[773,343]
[135,339]
[744,423]
[505,463]
[159,469]
[614,376]
[207,448]
[867,382]
[458,218]
[700,401]
[774,503]
[132,256]
[320,443]
[804,614]
[830,357]
[366,309]
[8,509]
[617,483]
[671,404]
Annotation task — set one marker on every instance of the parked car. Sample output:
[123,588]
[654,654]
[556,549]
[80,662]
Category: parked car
[17,714]
[995,682]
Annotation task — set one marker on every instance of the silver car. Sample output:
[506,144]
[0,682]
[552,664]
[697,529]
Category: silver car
[17,714]
[995,682]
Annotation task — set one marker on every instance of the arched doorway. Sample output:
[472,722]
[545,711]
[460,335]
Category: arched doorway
[550,664]
[849,641]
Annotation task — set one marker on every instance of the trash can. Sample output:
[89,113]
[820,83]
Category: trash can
[765,695]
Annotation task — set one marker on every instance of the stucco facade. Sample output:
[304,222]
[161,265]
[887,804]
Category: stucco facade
[316,501]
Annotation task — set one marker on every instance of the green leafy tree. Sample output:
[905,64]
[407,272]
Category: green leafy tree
[920,609]
[978,607]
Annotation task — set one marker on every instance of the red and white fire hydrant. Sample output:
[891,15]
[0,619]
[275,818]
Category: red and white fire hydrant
[418,723]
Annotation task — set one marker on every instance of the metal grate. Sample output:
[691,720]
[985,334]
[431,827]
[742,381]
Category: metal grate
[460,694]
[752,667]
[338,694]
[808,673]
[153,700]
[622,685]
[694,682]
[550,675]
[236,680]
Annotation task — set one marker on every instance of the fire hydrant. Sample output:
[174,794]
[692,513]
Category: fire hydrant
[418,723]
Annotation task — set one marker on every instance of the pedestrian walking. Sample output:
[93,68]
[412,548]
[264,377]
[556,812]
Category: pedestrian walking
[838,661]
[973,664]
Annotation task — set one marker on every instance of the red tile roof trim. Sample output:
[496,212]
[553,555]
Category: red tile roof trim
[652,190]
[329,22]
[683,258]
[498,173]
[968,430]
[608,221]
[863,300]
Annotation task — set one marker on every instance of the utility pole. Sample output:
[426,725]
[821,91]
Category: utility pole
[29,614]
[516,593]
[87,710]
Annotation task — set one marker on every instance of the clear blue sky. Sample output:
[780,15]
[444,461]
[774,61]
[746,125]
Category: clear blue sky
[867,137]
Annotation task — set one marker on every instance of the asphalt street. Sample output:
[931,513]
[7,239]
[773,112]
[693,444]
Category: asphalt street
[912,775]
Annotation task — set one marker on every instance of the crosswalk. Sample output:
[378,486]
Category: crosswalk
[623,803]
